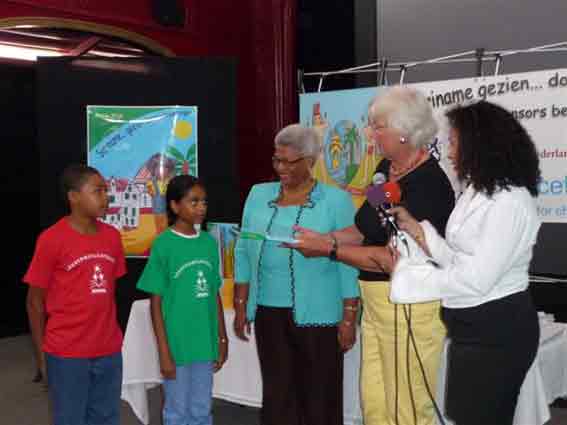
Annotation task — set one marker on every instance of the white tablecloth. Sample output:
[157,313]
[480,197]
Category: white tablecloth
[140,357]
[239,380]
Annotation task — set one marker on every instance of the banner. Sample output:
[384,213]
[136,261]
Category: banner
[138,149]
[537,99]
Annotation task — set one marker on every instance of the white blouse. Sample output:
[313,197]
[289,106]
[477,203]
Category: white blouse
[485,256]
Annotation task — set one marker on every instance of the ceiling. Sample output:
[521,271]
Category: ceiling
[24,44]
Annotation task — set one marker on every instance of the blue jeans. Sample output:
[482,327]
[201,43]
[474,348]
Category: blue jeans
[85,391]
[188,397]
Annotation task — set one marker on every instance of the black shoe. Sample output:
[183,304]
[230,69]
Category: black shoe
[38,376]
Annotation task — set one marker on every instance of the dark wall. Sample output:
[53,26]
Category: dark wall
[335,35]
[326,41]
[365,39]
[66,87]
[19,186]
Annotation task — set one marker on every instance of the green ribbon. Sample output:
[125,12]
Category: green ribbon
[252,235]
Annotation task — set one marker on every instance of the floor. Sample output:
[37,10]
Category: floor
[23,402]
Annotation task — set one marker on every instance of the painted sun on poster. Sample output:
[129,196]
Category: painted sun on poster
[138,150]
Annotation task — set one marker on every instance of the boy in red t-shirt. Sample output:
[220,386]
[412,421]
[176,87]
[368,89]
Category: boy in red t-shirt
[71,305]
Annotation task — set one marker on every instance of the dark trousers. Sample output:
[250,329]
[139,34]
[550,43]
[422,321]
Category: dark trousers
[302,370]
[492,347]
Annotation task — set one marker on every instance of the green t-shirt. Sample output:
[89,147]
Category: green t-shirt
[184,271]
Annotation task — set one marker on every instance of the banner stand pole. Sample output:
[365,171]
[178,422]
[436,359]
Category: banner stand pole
[479,56]
[300,82]
[498,64]
[383,67]
[479,53]
[403,70]
[320,86]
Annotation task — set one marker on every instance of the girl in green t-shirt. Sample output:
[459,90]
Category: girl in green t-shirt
[182,274]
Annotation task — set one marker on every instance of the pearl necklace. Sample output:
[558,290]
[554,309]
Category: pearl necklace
[397,173]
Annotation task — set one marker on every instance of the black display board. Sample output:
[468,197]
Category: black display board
[66,86]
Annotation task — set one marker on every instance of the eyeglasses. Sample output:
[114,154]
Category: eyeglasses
[285,162]
[373,130]
[377,128]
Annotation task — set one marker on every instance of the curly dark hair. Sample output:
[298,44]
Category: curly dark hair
[495,151]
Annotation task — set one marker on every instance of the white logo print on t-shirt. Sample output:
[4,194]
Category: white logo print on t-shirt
[201,286]
[98,282]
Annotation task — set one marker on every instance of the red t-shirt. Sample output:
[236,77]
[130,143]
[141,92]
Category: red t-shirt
[79,273]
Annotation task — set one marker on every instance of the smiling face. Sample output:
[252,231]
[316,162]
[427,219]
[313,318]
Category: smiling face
[91,200]
[192,208]
[292,168]
[386,139]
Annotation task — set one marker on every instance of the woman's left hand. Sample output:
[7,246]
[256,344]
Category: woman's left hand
[223,355]
[346,335]
[405,220]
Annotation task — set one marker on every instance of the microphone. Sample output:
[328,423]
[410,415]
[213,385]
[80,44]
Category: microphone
[393,192]
[381,197]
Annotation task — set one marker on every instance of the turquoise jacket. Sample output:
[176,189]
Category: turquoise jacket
[320,285]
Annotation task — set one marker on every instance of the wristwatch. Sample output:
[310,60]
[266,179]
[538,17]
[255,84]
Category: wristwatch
[334,246]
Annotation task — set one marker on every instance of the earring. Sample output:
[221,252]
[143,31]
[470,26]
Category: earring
[403,140]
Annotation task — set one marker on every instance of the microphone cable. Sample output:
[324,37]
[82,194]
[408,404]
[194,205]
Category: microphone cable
[420,362]
[396,378]
[408,366]
[411,337]
[396,345]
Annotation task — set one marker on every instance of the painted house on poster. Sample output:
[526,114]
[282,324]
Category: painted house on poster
[127,200]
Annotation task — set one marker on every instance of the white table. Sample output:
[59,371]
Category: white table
[240,381]
[140,357]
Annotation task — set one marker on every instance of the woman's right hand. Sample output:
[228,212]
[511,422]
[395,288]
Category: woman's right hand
[310,243]
[167,366]
[241,324]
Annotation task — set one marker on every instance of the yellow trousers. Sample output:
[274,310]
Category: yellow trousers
[387,392]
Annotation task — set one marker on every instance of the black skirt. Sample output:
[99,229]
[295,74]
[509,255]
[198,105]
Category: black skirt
[492,347]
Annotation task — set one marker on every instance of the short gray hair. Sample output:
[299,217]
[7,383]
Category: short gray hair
[406,110]
[304,140]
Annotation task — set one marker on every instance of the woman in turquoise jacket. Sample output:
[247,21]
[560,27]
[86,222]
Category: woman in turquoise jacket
[304,309]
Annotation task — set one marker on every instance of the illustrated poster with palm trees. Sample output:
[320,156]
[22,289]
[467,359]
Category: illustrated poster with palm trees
[138,149]
[349,158]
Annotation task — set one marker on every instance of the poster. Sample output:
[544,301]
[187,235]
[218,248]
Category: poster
[225,235]
[138,149]
[348,159]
